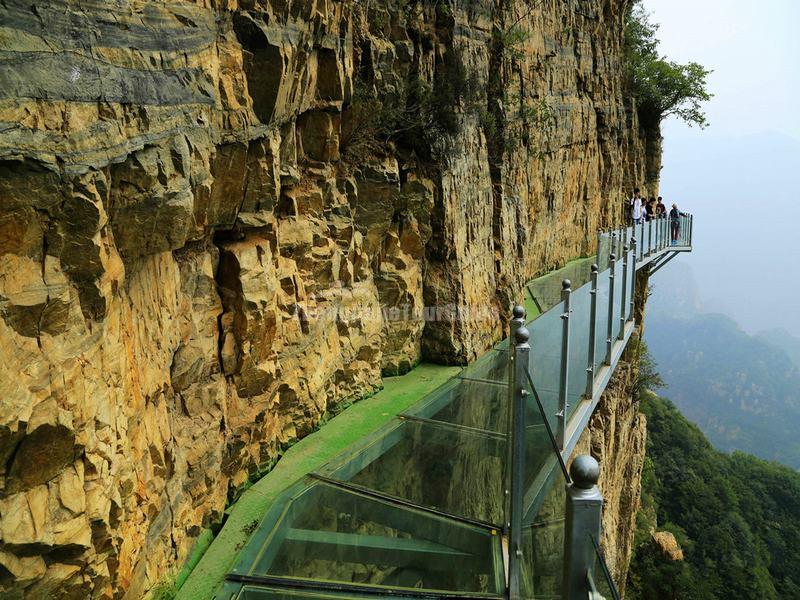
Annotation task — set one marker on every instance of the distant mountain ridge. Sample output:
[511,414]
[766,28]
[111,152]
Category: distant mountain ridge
[780,338]
[743,391]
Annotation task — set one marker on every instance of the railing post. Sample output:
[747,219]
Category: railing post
[633,280]
[517,321]
[624,295]
[566,295]
[592,359]
[521,350]
[584,513]
[610,332]
[691,229]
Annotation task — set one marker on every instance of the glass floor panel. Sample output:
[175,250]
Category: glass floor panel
[325,534]
[438,466]
[469,403]
[275,593]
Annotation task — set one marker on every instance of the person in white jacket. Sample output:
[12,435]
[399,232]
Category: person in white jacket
[636,206]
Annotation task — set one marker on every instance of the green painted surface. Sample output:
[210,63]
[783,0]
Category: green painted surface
[201,545]
[305,456]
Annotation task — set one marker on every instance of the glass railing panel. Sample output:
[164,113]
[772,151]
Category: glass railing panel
[579,324]
[601,584]
[642,242]
[631,287]
[492,366]
[618,272]
[654,236]
[332,535]
[477,405]
[547,289]
[603,251]
[685,229]
[469,403]
[540,445]
[438,466]
[543,548]
[658,235]
[545,359]
[601,335]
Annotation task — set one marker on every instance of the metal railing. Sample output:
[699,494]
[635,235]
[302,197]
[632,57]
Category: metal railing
[558,366]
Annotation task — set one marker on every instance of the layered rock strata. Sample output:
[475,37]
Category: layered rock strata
[203,249]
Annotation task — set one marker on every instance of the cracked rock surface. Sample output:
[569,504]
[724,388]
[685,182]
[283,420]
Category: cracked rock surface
[194,269]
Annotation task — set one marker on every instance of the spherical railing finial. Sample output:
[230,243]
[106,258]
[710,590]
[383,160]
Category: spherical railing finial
[566,284]
[522,335]
[595,268]
[613,256]
[518,311]
[585,472]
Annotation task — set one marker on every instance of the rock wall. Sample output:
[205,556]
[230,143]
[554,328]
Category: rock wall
[204,247]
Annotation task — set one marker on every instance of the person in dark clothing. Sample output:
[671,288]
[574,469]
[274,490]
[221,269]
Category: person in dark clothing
[675,223]
[651,210]
[661,210]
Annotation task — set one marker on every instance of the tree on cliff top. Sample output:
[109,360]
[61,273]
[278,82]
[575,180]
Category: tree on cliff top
[662,87]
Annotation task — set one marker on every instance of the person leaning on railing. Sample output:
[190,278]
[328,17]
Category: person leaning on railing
[675,223]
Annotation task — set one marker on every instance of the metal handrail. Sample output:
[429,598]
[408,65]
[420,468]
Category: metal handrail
[550,434]
[605,570]
[625,250]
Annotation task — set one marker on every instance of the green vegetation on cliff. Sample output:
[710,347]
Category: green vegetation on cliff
[662,87]
[736,517]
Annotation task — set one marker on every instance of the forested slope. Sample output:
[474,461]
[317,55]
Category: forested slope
[736,517]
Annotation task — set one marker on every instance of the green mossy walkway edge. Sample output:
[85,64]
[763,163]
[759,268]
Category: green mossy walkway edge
[307,455]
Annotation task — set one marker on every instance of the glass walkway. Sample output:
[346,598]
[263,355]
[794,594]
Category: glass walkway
[457,496]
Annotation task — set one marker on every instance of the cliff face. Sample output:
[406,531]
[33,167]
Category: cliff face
[208,240]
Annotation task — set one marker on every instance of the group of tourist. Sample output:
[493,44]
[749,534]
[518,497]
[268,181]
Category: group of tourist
[643,210]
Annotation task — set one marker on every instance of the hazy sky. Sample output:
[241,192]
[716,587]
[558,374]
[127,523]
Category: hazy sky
[740,176]
[754,50]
